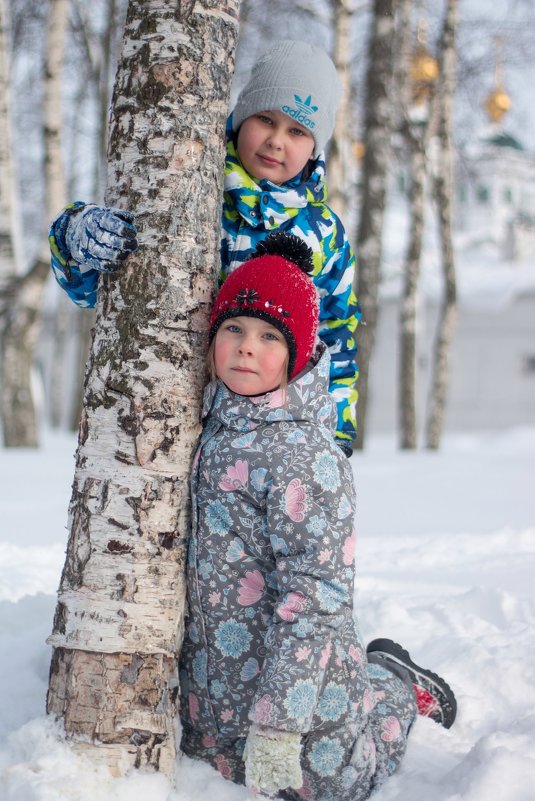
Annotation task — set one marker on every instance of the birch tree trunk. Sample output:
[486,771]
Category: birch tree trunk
[341,162]
[7,252]
[417,133]
[100,52]
[22,324]
[8,267]
[119,617]
[378,128]
[443,192]
[409,303]
[84,326]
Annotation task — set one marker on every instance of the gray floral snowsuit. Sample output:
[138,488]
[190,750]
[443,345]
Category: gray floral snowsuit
[271,636]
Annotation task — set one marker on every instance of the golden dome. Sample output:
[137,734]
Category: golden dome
[424,68]
[497,104]
[498,101]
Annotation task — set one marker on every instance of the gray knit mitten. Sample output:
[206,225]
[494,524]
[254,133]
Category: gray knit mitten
[100,238]
[272,760]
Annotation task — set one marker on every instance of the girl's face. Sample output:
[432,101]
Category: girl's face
[250,356]
[271,145]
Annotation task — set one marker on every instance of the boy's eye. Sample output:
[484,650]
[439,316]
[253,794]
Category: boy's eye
[298,132]
[264,118]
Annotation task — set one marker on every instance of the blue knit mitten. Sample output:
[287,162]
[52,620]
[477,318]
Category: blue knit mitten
[100,238]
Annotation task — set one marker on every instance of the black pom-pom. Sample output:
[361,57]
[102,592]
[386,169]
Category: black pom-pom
[289,246]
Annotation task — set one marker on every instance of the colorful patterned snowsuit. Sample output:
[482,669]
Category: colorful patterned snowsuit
[271,637]
[250,212]
[253,210]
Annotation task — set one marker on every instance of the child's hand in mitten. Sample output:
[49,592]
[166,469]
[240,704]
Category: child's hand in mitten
[272,760]
[101,238]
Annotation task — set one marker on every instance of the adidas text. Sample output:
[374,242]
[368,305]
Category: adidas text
[295,114]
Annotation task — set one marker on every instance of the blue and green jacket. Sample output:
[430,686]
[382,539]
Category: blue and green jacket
[250,212]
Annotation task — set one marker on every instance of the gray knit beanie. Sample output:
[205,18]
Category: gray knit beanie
[298,79]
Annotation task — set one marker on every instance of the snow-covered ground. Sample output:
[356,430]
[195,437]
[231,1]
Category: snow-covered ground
[446,561]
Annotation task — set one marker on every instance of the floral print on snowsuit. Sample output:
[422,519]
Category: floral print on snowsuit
[271,636]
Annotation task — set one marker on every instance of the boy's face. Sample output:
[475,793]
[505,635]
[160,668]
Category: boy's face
[271,145]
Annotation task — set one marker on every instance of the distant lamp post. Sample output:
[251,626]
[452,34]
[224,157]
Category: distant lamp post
[498,101]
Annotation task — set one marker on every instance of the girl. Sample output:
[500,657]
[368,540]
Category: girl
[276,689]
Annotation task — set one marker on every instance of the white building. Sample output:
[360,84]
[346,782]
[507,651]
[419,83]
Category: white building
[492,365]
[495,195]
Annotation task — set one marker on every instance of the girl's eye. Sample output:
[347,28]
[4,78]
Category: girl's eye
[233,328]
[272,337]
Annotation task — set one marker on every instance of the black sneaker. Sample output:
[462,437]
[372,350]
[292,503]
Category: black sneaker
[434,698]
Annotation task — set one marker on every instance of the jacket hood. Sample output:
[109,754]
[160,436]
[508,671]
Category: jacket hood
[306,399]
[265,203]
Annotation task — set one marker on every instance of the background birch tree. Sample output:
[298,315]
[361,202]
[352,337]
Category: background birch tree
[341,166]
[100,45]
[119,617]
[379,117]
[419,109]
[21,324]
[443,195]
[8,265]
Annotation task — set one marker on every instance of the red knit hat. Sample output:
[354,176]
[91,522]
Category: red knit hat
[274,286]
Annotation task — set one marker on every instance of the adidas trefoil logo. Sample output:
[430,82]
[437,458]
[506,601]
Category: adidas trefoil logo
[303,111]
[305,106]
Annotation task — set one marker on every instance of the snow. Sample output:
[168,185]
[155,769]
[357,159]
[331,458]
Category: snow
[446,559]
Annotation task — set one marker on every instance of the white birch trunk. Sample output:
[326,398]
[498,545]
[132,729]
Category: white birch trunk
[84,326]
[409,303]
[119,618]
[54,170]
[22,326]
[341,170]
[443,192]
[7,252]
[417,136]
[100,53]
[378,129]
[8,267]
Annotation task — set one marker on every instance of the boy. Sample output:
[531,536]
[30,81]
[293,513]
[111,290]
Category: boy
[274,180]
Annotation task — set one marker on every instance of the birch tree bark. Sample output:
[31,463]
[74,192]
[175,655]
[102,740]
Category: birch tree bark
[443,194]
[7,252]
[417,132]
[378,129]
[341,162]
[21,327]
[99,40]
[119,618]
[8,267]
[409,301]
